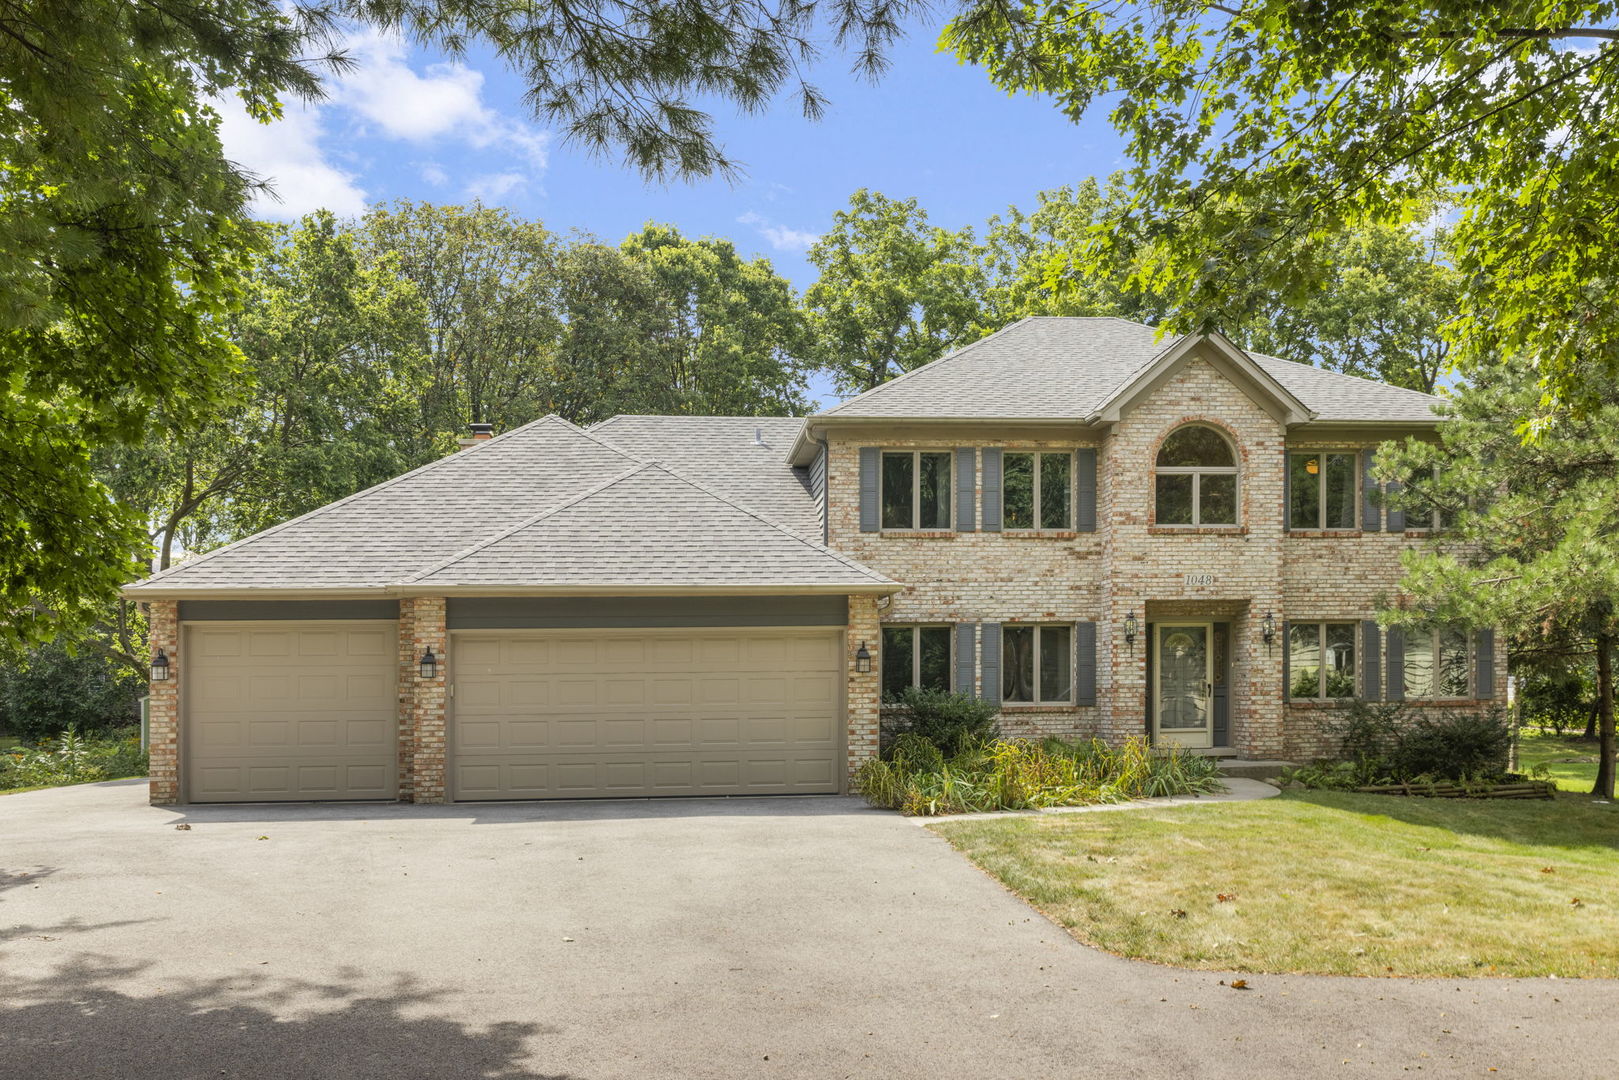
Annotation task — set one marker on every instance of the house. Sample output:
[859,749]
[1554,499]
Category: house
[1105,532]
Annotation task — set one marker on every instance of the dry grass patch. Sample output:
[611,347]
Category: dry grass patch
[1326,882]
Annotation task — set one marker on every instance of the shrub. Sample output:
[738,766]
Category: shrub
[1015,774]
[51,691]
[74,759]
[948,720]
[1391,743]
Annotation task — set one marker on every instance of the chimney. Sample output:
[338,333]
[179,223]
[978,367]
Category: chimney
[478,433]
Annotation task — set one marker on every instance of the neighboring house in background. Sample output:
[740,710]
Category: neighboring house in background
[1104,533]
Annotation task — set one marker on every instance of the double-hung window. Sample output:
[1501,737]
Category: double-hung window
[1037,490]
[1438,663]
[1321,490]
[1037,665]
[916,489]
[915,656]
[1321,660]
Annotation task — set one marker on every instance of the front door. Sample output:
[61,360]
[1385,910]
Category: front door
[1182,684]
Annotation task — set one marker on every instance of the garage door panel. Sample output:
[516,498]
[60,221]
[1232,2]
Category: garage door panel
[303,711]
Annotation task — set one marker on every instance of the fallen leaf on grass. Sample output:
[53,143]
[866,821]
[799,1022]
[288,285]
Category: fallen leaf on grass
[1225,896]
[1576,902]
[1179,913]
[1548,870]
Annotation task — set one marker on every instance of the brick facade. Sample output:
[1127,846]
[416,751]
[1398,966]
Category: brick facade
[1130,564]
[163,710]
[423,714]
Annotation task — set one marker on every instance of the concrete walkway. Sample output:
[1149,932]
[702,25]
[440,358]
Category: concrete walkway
[808,937]
[1237,789]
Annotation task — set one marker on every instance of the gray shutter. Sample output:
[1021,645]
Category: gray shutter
[966,488]
[1371,662]
[992,489]
[1085,490]
[1287,490]
[1396,517]
[966,656]
[1371,516]
[1486,664]
[1287,673]
[870,462]
[1085,663]
[990,666]
[1396,663]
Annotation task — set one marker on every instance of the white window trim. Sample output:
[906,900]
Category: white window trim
[1321,491]
[1321,653]
[1038,495]
[1197,472]
[1034,682]
[916,490]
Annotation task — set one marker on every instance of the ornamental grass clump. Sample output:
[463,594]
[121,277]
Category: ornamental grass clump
[915,777]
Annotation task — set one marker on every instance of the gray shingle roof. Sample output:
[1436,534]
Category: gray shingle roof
[388,532]
[1063,368]
[649,527]
[722,453]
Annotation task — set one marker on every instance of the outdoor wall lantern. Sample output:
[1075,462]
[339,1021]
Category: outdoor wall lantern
[1131,627]
[862,659]
[160,666]
[429,665]
[1267,629]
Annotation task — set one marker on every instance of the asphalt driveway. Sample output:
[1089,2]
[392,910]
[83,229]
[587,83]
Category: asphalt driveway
[805,937]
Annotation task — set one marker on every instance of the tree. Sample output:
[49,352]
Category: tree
[1262,130]
[894,292]
[1531,538]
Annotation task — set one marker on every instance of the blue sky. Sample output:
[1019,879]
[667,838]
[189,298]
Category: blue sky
[408,124]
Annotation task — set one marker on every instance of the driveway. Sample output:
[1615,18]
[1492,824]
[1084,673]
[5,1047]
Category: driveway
[806,937]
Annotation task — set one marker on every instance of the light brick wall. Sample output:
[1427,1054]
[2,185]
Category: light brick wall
[408,672]
[427,742]
[861,703]
[163,716]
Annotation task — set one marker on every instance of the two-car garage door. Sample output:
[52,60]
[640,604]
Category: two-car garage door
[604,713]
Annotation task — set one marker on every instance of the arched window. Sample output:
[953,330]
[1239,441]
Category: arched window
[1196,479]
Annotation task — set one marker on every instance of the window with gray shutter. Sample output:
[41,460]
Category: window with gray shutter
[1371,661]
[1396,659]
[966,656]
[1371,514]
[990,668]
[1085,490]
[1485,659]
[1085,663]
[966,488]
[870,458]
[1396,517]
[992,488]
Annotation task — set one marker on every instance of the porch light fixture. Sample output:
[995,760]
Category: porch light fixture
[1267,629]
[160,667]
[1131,628]
[429,665]
[862,659]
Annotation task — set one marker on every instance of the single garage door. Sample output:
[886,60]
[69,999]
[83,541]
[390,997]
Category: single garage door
[290,710]
[614,713]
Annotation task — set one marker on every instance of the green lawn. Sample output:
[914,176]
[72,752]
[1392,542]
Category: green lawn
[1326,882]
[1570,761]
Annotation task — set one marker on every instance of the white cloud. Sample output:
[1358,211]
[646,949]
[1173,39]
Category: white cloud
[433,173]
[287,154]
[495,186]
[781,237]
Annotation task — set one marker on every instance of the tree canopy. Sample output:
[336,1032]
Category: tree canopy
[1262,131]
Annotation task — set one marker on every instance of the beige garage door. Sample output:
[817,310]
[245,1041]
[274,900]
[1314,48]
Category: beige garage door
[599,714]
[289,710]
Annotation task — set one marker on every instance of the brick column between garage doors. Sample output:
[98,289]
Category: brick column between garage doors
[163,710]
[426,742]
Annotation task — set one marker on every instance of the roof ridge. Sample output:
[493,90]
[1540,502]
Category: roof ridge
[535,519]
[931,364]
[437,462]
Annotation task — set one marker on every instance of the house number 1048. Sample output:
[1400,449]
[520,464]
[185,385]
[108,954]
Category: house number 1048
[1195,580]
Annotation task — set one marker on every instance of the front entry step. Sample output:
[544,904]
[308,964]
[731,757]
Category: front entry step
[1254,770]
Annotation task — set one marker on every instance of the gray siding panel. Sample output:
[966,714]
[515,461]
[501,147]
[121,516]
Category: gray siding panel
[1085,663]
[966,488]
[561,613]
[992,489]
[1371,661]
[870,462]
[966,656]
[991,665]
[1085,490]
[251,610]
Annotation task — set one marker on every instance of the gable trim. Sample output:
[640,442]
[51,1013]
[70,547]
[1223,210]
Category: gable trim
[1225,358]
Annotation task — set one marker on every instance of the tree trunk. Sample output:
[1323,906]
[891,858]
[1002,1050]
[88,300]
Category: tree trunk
[1603,788]
[1591,719]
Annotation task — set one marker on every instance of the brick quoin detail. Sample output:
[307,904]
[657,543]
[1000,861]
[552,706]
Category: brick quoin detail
[163,715]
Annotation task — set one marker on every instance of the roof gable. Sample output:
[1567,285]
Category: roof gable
[1225,358]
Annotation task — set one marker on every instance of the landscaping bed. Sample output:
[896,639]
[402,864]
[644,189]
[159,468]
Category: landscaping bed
[1326,882]
[72,758]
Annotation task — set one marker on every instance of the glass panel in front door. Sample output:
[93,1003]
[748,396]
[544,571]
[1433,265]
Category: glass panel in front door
[1183,687]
